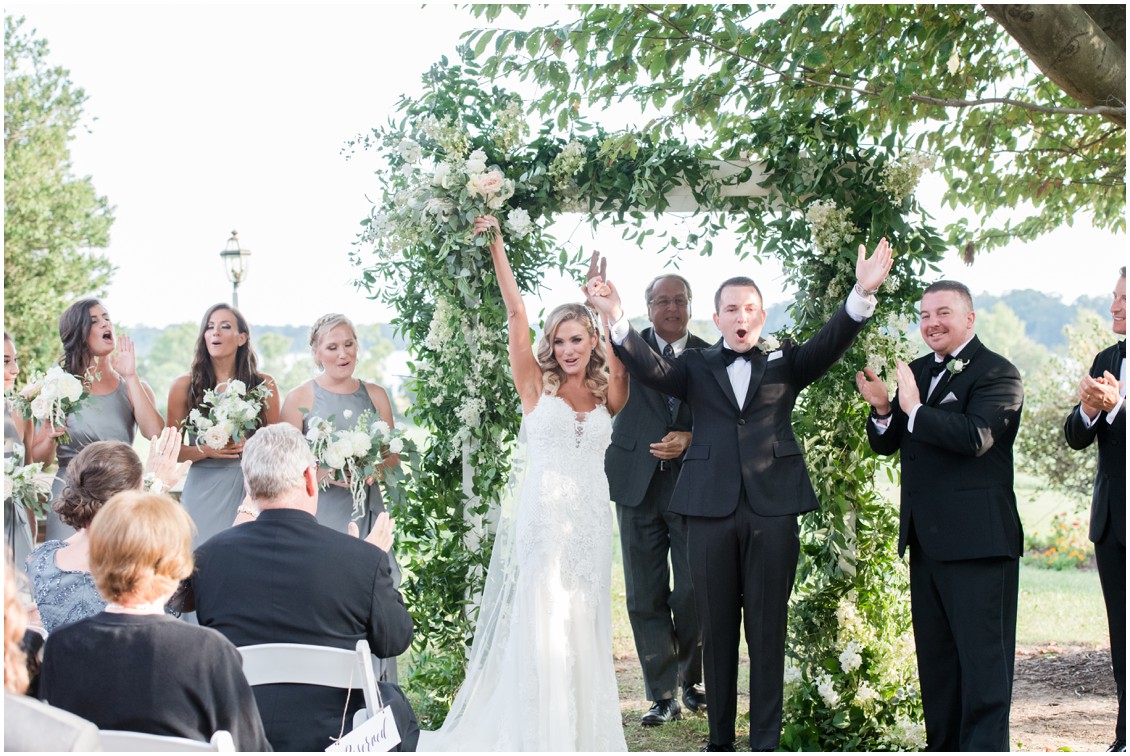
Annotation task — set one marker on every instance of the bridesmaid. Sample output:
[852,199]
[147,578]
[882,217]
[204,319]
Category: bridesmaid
[119,401]
[19,523]
[333,342]
[213,489]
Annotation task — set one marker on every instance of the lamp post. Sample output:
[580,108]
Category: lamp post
[236,265]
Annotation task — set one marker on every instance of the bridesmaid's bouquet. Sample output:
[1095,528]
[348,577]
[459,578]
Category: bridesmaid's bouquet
[50,398]
[354,455]
[224,416]
[22,485]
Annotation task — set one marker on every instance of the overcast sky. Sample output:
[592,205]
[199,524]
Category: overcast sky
[209,118]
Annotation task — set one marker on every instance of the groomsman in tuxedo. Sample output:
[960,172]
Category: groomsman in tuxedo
[744,480]
[649,437]
[1099,415]
[954,418]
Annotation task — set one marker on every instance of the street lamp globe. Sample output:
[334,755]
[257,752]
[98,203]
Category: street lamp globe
[236,264]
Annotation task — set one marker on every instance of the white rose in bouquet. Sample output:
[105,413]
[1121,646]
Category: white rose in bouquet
[519,222]
[476,162]
[380,427]
[50,388]
[237,386]
[358,441]
[41,407]
[217,436]
[8,488]
[443,176]
[31,390]
[485,184]
[335,454]
[70,388]
[396,446]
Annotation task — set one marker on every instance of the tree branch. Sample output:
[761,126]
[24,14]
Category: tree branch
[1114,113]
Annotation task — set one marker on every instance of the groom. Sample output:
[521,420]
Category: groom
[744,480]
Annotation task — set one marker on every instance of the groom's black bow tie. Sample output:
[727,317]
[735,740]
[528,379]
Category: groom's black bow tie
[729,355]
[938,367]
[1122,349]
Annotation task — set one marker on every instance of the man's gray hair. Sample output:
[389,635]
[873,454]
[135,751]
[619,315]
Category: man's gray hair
[274,460]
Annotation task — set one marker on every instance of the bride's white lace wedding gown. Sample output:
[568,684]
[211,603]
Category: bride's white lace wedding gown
[540,676]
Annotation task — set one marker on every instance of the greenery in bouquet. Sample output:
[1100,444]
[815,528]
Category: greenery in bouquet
[227,415]
[49,397]
[21,484]
[356,456]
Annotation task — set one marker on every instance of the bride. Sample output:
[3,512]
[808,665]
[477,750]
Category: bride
[540,676]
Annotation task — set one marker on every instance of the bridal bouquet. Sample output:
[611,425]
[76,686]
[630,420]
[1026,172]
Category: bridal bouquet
[227,415]
[21,484]
[50,398]
[354,455]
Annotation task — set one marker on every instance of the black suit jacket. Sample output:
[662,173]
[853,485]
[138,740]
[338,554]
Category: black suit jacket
[1108,502]
[286,579]
[753,434]
[644,420]
[957,471]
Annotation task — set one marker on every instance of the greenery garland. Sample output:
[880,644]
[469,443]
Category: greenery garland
[851,675]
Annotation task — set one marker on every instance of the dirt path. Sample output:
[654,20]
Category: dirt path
[1063,698]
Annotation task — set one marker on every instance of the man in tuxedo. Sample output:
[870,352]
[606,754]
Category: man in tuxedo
[954,418]
[649,436]
[283,578]
[1099,415]
[743,480]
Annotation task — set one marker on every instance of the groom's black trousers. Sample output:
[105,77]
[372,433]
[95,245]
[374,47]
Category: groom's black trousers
[743,563]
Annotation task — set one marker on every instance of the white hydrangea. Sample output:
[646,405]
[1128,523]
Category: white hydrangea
[850,658]
[566,164]
[831,227]
[866,694]
[826,687]
[440,332]
[908,735]
[519,222]
[409,150]
[792,674]
[470,411]
[396,446]
[900,177]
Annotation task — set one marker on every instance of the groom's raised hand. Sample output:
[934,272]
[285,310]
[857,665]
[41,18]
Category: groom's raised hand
[870,272]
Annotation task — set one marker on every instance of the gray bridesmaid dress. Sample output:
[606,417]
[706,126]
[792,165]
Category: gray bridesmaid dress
[17,529]
[99,418]
[335,503]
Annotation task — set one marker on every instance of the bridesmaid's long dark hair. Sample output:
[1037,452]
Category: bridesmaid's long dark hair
[202,376]
[74,331]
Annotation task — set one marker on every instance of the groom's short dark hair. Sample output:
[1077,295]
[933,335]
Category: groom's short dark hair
[955,286]
[736,281]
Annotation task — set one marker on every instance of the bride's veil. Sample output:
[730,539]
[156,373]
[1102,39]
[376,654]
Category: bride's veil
[488,668]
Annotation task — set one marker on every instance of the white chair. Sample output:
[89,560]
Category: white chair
[144,742]
[268,663]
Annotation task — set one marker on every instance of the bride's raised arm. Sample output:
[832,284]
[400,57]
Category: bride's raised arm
[523,366]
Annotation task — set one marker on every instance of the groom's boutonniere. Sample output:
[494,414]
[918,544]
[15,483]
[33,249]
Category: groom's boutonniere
[955,366]
[768,344]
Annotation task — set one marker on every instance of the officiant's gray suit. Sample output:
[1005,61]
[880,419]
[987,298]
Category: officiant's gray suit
[664,620]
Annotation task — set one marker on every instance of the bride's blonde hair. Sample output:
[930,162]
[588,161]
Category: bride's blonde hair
[596,373]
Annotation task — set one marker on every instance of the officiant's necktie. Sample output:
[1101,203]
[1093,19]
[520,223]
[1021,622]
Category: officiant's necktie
[669,353]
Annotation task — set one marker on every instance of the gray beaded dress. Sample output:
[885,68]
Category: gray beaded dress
[335,503]
[108,417]
[17,529]
[63,596]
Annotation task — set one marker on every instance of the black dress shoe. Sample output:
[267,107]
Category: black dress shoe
[716,747]
[1119,746]
[694,698]
[666,710]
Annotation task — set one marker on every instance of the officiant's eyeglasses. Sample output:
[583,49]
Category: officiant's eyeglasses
[664,302]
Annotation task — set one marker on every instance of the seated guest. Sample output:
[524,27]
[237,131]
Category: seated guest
[31,725]
[133,667]
[283,578]
[61,583]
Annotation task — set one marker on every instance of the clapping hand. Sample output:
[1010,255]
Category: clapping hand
[870,272]
[1099,394]
[909,397]
[162,462]
[381,534]
[873,389]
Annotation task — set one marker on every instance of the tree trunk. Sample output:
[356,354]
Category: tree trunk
[1066,43]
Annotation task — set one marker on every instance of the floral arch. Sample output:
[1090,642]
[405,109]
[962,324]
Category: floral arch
[464,148]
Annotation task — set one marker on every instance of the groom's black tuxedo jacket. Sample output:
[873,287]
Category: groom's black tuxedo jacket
[1108,503]
[957,472]
[753,434]
[644,420]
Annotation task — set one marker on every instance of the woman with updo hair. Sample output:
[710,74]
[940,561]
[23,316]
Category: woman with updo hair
[61,583]
[119,401]
[133,667]
[337,396]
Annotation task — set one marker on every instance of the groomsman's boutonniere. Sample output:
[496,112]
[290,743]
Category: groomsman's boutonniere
[768,344]
[955,365]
